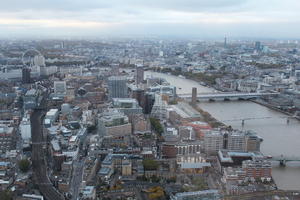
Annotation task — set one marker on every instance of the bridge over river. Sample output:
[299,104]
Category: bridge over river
[284,159]
[226,96]
[243,120]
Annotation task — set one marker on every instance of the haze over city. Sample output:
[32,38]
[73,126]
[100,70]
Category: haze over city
[191,18]
[149,100]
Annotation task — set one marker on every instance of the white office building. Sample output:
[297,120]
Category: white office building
[60,87]
[25,129]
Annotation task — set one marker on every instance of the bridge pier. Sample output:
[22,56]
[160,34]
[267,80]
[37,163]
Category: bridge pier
[282,163]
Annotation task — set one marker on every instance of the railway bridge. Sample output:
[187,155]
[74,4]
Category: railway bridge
[226,96]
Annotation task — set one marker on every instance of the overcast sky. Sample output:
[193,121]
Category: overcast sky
[185,18]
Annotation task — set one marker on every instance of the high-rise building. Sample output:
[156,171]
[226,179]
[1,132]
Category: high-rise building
[258,46]
[62,45]
[159,109]
[148,103]
[60,87]
[225,42]
[139,74]
[138,94]
[117,87]
[26,75]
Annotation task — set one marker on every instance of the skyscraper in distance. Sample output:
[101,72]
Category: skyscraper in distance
[26,75]
[257,46]
[139,74]
[117,87]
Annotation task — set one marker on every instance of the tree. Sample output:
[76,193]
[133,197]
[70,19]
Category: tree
[156,125]
[211,67]
[172,179]
[24,165]
[173,102]
[223,68]
[150,164]
[5,195]
[91,128]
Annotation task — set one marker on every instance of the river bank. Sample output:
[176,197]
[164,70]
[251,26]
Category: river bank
[279,137]
[208,118]
[274,108]
[208,83]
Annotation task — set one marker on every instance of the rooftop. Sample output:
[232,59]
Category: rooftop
[197,193]
[185,110]
[88,190]
[104,170]
[6,129]
[189,165]
[115,78]
[31,92]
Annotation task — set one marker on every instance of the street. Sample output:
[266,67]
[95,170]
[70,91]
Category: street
[38,159]
[76,178]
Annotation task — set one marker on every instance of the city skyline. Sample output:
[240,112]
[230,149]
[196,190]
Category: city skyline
[201,19]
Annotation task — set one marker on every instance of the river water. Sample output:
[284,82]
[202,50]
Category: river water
[279,137]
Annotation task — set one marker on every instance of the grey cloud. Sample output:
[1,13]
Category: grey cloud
[154,17]
[81,5]
[58,5]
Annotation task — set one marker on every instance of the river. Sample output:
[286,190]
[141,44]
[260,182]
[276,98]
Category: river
[279,137]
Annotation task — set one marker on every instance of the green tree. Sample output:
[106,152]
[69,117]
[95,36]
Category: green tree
[5,195]
[155,124]
[150,164]
[173,102]
[24,165]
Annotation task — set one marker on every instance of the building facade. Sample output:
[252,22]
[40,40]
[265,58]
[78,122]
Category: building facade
[7,138]
[60,87]
[117,87]
[240,141]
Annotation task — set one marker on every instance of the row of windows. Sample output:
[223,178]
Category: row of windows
[5,138]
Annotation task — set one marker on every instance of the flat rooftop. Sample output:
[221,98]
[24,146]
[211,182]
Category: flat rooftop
[185,110]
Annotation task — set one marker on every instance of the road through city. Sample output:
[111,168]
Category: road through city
[38,157]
